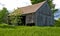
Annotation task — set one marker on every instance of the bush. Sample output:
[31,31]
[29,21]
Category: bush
[6,26]
[57,23]
[14,20]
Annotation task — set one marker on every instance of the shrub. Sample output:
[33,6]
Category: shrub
[57,23]
[14,20]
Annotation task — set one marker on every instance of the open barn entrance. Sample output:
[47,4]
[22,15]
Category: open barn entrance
[22,20]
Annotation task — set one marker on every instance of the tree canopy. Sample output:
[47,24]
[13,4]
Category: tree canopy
[3,14]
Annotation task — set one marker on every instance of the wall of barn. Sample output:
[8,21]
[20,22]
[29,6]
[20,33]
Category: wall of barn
[44,16]
[30,18]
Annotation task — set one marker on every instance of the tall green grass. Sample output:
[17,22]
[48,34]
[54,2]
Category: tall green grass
[8,30]
[30,31]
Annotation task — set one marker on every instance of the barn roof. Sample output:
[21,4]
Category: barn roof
[29,9]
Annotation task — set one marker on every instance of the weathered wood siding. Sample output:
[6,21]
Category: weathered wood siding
[44,16]
[30,18]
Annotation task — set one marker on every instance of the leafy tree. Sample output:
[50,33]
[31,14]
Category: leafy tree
[36,1]
[57,23]
[3,14]
[50,3]
[15,17]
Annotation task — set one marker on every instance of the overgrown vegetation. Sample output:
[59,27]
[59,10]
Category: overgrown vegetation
[57,23]
[30,31]
[6,26]
[3,15]
[15,17]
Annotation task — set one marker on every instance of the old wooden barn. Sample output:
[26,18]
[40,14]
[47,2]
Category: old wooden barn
[38,14]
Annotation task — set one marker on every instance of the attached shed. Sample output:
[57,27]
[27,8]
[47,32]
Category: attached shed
[38,14]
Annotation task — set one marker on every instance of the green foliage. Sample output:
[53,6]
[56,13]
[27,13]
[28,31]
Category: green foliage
[3,14]
[36,1]
[15,17]
[57,23]
[30,31]
[3,25]
[50,3]
[15,20]
[55,10]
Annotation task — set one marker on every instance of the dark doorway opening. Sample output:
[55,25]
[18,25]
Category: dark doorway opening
[31,24]
[22,20]
[9,20]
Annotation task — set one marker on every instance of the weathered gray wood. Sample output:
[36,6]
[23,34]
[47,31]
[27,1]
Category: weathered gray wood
[29,18]
[44,16]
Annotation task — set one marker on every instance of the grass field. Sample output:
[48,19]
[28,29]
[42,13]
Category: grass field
[29,31]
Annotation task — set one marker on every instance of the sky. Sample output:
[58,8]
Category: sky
[11,4]
[57,3]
